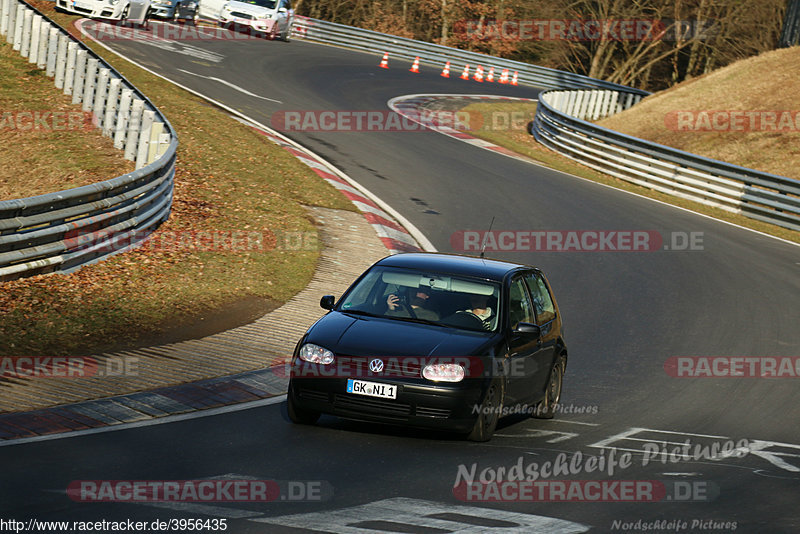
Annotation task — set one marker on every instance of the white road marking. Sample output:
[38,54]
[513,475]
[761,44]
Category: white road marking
[754,447]
[535,433]
[229,84]
[573,422]
[430,514]
[151,422]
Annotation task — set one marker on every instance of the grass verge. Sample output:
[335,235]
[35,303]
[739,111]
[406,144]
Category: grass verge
[47,143]
[520,141]
[245,184]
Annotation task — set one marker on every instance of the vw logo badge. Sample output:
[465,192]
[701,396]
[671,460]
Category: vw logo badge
[376,365]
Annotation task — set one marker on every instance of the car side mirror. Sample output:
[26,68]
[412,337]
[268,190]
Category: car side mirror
[282,10]
[327,302]
[528,329]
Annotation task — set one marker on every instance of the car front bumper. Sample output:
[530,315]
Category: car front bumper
[421,405]
[92,9]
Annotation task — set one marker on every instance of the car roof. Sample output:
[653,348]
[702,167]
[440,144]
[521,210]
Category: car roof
[453,264]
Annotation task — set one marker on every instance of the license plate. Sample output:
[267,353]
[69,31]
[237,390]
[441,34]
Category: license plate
[371,389]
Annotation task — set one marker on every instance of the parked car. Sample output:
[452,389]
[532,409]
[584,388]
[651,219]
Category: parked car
[433,341]
[136,11]
[272,18]
[176,10]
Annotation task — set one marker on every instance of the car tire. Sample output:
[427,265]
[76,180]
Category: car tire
[546,409]
[489,414]
[286,37]
[297,415]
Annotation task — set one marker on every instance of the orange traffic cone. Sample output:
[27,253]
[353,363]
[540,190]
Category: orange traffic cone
[514,79]
[446,70]
[415,66]
[490,76]
[504,76]
[465,74]
[385,61]
[478,74]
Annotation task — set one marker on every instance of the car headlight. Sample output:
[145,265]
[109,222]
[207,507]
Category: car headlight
[315,354]
[444,372]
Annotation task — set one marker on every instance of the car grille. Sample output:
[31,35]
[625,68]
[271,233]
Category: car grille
[409,368]
[441,413]
[240,15]
[368,405]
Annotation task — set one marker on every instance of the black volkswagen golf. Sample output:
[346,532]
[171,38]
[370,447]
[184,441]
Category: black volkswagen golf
[433,341]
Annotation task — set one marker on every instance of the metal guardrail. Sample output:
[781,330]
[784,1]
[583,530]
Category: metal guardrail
[66,230]
[433,54]
[559,125]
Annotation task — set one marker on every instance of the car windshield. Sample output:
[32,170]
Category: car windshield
[426,297]
[269,4]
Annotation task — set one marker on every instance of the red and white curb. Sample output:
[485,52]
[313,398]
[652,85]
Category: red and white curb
[411,107]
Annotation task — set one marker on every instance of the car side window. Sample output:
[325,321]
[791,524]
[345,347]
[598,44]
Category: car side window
[542,302]
[520,309]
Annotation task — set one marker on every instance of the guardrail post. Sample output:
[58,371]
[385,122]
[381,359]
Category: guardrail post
[61,60]
[41,55]
[27,20]
[52,48]
[80,74]
[572,96]
[112,101]
[9,26]
[89,83]
[4,16]
[123,117]
[19,18]
[100,95]
[134,124]
[143,144]
[36,26]
[69,74]
[159,141]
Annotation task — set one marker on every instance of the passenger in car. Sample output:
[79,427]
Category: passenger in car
[417,302]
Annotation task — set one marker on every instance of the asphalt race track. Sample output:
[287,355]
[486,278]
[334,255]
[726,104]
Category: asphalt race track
[626,313]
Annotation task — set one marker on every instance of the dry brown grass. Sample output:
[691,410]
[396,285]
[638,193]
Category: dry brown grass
[58,152]
[763,83]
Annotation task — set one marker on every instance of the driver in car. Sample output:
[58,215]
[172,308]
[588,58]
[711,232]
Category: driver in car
[396,308]
[479,307]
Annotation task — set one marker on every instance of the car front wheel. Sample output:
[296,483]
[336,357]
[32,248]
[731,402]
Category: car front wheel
[547,408]
[489,414]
